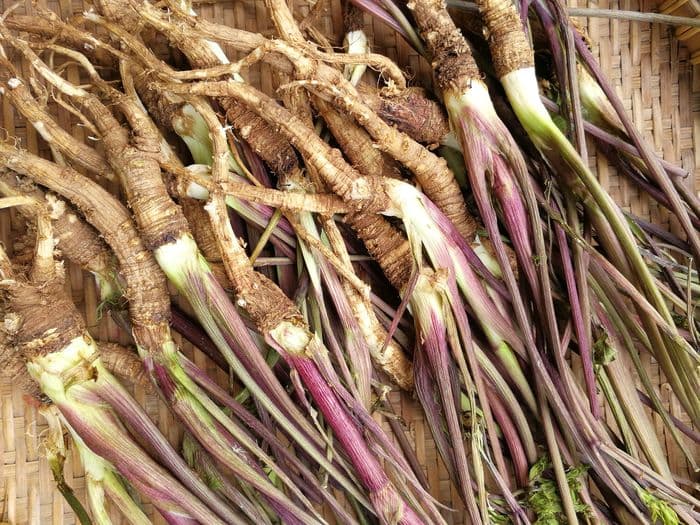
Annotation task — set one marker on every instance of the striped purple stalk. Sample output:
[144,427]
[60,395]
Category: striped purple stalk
[437,384]
[656,172]
[492,156]
[388,504]
[429,229]
[215,436]
[584,343]
[111,391]
[281,450]
[356,367]
[105,437]
[222,322]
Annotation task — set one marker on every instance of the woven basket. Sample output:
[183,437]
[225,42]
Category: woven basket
[658,84]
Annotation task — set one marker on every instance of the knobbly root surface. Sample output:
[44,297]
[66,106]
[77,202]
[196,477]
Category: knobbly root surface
[125,363]
[452,61]
[198,221]
[385,244]
[40,334]
[510,50]
[146,290]
[269,145]
[77,240]
[357,144]
[411,111]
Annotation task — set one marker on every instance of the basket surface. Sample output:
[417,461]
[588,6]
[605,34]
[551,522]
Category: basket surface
[651,71]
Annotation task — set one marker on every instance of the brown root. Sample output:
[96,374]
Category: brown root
[124,363]
[328,162]
[149,303]
[76,240]
[262,138]
[42,317]
[385,244]
[136,161]
[411,111]
[14,368]
[510,49]
[452,60]
[357,144]
[48,25]
[20,97]
[431,171]
[198,221]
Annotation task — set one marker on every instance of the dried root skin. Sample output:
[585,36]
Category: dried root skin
[357,144]
[19,96]
[431,171]
[510,49]
[163,107]
[359,148]
[329,162]
[260,135]
[385,244]
[198,221]
[47,318]
[265,303]
[137,162]
[262,138]
[14,368]
[452,60]
[396,364]
[49,26]
[411,111]
[77,240]
[149,303]
[125,363]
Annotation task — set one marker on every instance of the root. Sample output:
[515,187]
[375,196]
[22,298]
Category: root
[149,302]
[510,49]
[452,60]
[263,139]
[125,363]
[20,97]
[357,144]
[386,245]
[77,241]
[431,171]
[31,332]
[419,117]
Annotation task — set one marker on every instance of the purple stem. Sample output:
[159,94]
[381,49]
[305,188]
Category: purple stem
[650,159]
[657,231]
[510,435]
[550,31]
[174,518]
[132,413]
[372,428]
[215,440]
[221,320]
[222,397]
[584,343]
[382,494]
[382,14]
[445,387]
[100,434]
[680,425]
[190,330]
[405,443]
